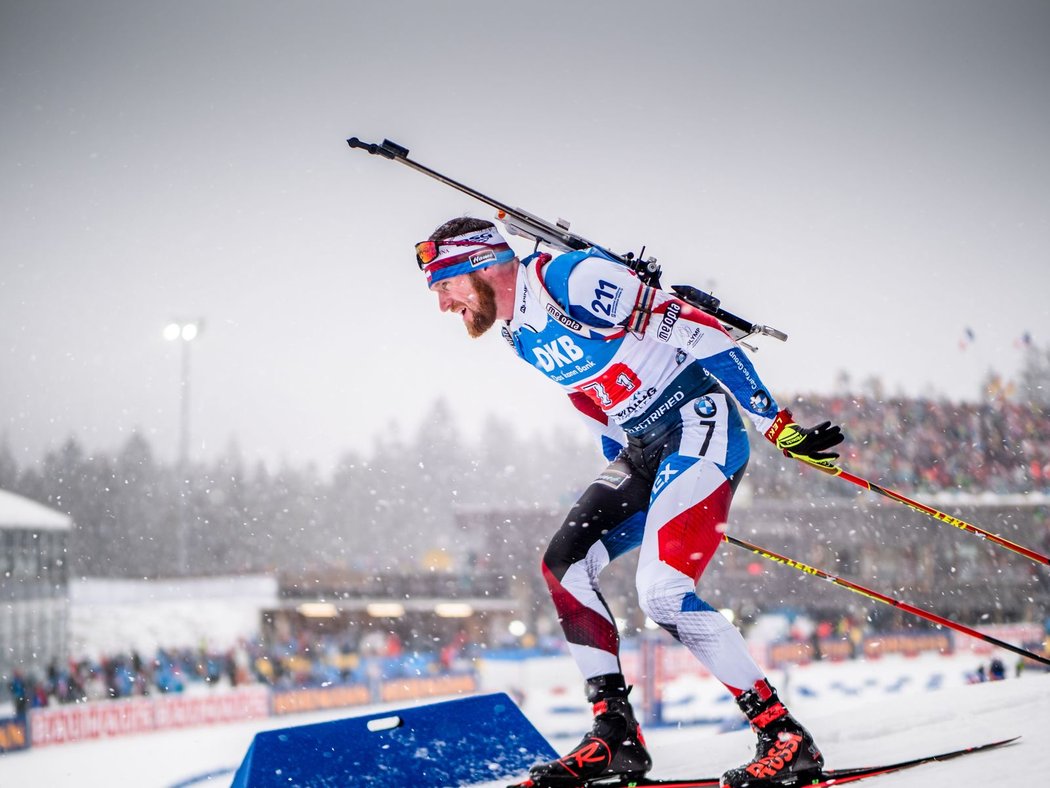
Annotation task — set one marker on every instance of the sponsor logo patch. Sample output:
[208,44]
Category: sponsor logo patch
[706,407]
[760,401]
[614,386]
[613,478]
[663,477]
[663,332]
[563,318]
[553,355]
[482,257]
[661,410]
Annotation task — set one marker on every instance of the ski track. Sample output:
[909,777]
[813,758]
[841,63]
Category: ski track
[856,730]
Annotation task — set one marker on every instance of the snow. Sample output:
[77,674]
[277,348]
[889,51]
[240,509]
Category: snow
[17,511]
[861,713]
[898,729]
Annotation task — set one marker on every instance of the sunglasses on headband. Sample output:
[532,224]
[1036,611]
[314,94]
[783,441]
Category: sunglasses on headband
[427,251]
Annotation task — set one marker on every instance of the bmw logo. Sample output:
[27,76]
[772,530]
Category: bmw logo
[760,401]
[705,406]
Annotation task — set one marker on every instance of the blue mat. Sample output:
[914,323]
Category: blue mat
[439,745]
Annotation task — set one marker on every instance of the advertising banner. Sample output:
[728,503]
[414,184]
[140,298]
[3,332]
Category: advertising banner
[103,719]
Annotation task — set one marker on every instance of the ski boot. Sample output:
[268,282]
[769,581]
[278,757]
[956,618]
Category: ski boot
[786,754]
[614,750]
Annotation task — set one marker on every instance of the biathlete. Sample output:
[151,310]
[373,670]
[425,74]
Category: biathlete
[657,379]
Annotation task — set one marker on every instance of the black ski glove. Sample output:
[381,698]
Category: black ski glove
[809,444]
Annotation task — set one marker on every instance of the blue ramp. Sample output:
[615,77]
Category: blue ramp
[440,745]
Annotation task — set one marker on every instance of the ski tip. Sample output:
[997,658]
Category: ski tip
[991,744]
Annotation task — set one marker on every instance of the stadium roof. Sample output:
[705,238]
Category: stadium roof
[17,511]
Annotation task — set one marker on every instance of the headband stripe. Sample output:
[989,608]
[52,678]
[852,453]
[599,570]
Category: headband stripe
[476,255]
[437,272]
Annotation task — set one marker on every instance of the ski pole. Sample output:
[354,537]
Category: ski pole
[929,510]
[859,589]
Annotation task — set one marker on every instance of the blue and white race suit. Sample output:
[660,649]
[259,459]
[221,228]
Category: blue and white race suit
[657,378]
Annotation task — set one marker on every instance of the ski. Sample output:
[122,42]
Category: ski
[843,776]
[830,778]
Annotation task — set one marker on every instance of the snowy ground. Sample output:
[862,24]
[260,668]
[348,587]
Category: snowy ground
[861,713]
[892,730]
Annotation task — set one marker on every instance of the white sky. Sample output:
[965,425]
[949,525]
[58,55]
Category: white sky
[870,177]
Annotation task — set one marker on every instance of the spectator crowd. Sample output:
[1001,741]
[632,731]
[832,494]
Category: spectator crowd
[1000,446]
[126,675]
[298,662]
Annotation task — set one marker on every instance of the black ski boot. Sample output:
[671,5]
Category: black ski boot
[613,748]
[786,754]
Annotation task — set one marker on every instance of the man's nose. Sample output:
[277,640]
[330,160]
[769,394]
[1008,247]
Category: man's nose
[444,302]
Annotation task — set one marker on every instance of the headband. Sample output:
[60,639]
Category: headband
[465,253]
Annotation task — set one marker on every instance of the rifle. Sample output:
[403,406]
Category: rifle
[557,236]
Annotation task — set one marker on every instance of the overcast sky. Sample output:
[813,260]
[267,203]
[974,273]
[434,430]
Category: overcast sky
[870,177]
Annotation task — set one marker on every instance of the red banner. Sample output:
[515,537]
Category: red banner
[82,721]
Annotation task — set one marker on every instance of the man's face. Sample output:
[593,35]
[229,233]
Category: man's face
[471,297]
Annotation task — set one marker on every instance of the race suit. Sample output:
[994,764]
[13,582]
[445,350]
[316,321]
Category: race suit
[651,374]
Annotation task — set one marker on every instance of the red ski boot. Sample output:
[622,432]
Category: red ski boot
[786,754]
[613,748]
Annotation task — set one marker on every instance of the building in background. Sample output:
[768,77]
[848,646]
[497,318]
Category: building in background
[34,587]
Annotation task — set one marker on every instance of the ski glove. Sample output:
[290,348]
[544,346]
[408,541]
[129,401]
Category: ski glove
[809,444]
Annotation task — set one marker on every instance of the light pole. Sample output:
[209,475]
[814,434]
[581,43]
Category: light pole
[184,333]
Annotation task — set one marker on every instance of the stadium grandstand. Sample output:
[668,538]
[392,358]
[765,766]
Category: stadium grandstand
[34,586]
